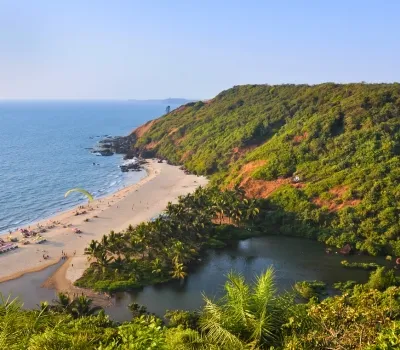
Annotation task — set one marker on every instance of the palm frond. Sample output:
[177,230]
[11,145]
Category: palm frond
[237,299]
[212,324]
[264,289]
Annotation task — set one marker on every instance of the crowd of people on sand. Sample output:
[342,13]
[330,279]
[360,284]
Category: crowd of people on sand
[6,246]
[31,235]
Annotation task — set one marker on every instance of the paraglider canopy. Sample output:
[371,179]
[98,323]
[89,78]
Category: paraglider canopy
[81,190]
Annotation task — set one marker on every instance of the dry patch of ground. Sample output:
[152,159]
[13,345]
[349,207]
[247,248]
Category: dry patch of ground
[251,166]
[186,155]
[173,131]
[179,109]
[261,188]
[258,188]
[239,152]
[180,140]
[298,138]
[337,202]
[141,130]
[151,145]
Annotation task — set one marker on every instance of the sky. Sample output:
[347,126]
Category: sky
[128,49]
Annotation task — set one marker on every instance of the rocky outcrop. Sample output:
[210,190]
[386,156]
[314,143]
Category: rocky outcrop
[118,144]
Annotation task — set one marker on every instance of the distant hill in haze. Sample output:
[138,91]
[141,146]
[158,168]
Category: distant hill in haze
[168,101]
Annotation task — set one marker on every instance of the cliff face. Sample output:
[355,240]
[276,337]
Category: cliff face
[325,152]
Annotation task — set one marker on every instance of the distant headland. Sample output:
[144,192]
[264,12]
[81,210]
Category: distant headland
[170,100]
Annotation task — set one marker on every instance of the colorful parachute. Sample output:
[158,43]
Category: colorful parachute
[81,190]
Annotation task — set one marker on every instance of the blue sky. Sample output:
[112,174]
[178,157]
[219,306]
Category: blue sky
[156,49]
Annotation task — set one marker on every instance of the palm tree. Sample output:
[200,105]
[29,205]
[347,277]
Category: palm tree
[103,260]
[239,191]
[137,310]
[104,242]
[44,306]
[93,249]
[244,315]
[220,207]
[82,306]
[179,270]
[156,265]
[252,211]
[115,243]
[62,303]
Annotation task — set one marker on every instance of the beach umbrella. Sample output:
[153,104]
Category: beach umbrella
[81,190]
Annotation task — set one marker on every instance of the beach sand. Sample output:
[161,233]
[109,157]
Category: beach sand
[129,206]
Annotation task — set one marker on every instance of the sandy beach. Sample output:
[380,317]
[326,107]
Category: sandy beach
[129,206]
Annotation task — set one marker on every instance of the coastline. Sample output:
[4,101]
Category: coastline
[129,206]
[64,217]
[55,214]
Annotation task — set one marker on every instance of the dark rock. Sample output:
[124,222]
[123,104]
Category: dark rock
[106,152]
[346,249]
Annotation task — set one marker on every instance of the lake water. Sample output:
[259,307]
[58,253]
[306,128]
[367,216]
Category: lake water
[43,154]
[294,259]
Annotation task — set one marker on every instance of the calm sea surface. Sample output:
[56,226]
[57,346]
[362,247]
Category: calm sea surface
[43,154]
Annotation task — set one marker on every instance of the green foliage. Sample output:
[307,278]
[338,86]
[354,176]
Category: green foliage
[77,307]
[341,140]
[365,266]
[245,315]
[187,319]
[388,338]
[248,316]
[310,289]
[143,333]
[382,279]
[345,286]
[164,248]
[137,310]
[350,321]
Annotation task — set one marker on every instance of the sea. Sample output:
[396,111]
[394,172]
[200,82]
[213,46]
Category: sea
[45,152]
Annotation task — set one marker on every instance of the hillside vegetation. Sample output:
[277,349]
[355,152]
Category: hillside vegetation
[339,142]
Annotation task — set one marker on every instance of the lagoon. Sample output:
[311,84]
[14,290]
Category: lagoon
[294,259]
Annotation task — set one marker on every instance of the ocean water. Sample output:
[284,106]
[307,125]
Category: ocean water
[43,154]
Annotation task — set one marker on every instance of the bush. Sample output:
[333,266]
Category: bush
[310,289]
[381,279]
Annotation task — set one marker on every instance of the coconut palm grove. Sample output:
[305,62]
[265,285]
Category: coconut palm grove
[320,162]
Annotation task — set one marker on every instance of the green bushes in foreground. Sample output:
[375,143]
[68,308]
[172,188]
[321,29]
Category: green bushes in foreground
[247,316]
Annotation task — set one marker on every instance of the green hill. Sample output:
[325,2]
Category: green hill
[326,157]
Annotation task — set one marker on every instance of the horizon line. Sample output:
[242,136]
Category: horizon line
[95,99]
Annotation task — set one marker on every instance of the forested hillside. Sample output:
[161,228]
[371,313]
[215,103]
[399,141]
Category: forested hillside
[326,157]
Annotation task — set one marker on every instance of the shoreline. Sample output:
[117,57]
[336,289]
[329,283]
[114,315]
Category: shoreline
[53,216]
[60,283]
[131,205]
[67,213]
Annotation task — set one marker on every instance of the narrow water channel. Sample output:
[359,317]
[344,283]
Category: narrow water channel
[294,259]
